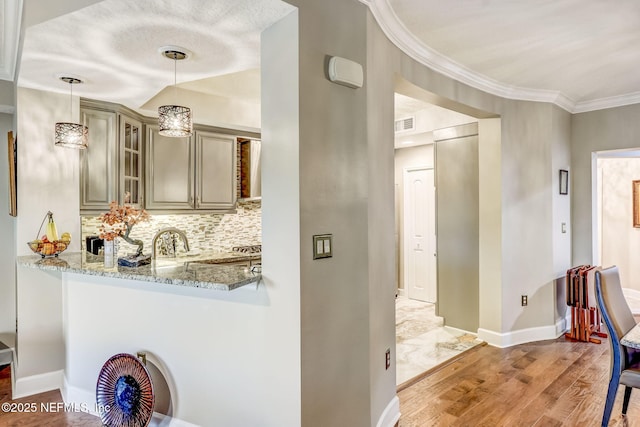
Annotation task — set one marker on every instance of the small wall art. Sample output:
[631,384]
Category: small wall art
[636,203]
[13,165]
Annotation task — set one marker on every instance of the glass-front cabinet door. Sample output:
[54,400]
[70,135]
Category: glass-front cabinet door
[131,161]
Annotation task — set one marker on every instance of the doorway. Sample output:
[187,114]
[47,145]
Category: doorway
[422,340]
[616,240]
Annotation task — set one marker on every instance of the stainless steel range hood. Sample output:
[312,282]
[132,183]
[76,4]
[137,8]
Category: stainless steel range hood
[250,170]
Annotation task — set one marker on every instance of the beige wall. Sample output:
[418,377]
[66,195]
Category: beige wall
[229,113]
[603,130]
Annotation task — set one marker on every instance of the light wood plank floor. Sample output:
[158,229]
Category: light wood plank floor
[548,383]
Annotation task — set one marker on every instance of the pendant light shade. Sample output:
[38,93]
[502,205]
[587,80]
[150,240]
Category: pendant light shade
[68,134]
[174,120]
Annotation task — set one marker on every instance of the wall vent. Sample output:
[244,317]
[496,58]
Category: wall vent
[406,124]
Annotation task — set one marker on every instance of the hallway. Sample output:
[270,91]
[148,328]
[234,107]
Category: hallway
[422,341]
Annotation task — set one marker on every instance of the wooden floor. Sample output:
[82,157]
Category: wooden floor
[47,415]
[548,383]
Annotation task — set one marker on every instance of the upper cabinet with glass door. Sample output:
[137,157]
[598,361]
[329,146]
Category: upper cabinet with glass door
[111,167]
[131,160]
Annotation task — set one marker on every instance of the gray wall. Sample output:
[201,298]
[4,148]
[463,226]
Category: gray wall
[520,207]
[610,129]
[345,162]
[7,97]
[334,189]
[7,251]
[457,192]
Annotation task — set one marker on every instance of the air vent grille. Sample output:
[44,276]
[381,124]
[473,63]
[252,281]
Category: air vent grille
[406,124]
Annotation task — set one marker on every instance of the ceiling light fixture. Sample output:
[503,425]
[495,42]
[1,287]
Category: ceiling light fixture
[174,120]
[68,134]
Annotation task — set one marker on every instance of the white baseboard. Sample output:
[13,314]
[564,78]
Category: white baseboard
[27,386]
[523,336]
[79,398]
[391,414]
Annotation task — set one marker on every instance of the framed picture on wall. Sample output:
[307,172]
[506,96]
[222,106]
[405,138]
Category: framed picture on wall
[13,203]
[564,181]
[636,203]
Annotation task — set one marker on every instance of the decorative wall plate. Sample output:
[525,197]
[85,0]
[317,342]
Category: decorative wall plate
[124,392]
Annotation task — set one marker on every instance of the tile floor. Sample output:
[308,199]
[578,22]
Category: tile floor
[421,340]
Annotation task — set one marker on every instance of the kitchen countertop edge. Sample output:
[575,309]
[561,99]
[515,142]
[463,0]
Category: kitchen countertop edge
[219,277]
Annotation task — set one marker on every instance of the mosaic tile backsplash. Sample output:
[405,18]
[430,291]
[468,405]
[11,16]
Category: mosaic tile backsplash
[206,232]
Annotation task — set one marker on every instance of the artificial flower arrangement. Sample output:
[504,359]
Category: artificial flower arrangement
[119,221]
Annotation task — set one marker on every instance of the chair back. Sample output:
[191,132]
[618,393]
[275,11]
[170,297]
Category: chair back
[615,312]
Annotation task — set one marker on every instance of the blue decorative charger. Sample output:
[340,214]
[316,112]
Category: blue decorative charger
[124,392]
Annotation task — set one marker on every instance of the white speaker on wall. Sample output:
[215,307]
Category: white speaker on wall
[345,72]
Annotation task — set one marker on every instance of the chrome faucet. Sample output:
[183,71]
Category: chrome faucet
[168,243]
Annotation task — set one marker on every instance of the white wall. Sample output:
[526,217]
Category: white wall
[47,180]
[223,353]
[48,176]
[620,241]
[40,340]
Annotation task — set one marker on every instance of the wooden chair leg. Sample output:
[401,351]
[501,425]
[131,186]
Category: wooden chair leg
[625,402]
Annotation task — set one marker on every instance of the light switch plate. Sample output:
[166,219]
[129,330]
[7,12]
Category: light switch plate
[322,246]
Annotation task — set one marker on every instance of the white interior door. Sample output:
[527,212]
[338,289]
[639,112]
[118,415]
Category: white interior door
[420,234]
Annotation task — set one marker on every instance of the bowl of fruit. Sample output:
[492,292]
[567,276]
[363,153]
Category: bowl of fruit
[50,244]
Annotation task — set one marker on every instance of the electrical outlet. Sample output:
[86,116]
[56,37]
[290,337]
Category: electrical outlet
[524,300]
[387,359]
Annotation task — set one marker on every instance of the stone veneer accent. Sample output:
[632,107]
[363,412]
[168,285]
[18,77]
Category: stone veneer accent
[206,232]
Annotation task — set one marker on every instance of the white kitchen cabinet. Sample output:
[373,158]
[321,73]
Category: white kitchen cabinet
[111,165]
[190,173]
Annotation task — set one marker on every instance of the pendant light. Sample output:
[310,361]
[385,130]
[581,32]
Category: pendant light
[174,120]
[68,134]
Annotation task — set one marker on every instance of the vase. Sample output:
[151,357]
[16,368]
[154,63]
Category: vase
[109,253]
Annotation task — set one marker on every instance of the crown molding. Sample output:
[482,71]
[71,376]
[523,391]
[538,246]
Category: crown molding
[604,103]
[399,35]
[11,11]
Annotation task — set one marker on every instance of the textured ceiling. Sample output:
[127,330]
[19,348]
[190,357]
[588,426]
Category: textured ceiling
[579,54]
[114,46]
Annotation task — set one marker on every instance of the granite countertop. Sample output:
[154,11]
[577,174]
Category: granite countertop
[632,338]
[201,270]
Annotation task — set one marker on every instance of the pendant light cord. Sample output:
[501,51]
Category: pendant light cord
[175,68]
[71,102]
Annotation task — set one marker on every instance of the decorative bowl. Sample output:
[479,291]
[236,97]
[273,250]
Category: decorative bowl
[45,248]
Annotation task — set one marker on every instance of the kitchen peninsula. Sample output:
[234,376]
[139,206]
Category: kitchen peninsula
[210,271]
[74,314]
